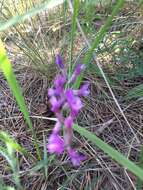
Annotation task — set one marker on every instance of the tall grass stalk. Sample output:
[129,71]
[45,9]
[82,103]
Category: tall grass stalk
[7,70]
[73,32]
[114,154]
[101,34]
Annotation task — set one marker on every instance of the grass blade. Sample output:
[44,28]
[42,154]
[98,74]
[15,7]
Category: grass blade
[102,32]
[73,30]
[136,92]
[18,19]
[114,154]
[7,70]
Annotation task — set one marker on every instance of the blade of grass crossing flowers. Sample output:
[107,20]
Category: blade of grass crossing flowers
[102,32]
[7,70]
[114,154]
[18,19]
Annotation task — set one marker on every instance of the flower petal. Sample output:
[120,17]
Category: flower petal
[51,92]
[76,73]
[68,121]
[57,127]
[59,61]
[75,157]
[74,102]
[55,144]
[59,81]
[79,68]
[55,104]
[84,90]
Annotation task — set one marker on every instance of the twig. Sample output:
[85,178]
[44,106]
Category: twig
[32,116]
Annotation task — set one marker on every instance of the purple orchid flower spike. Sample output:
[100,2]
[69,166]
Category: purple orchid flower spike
[59,61]
[66,104]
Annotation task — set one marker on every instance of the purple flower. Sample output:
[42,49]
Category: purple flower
[79,68]
[55,104]
[68,121]
[51,92]
[57,127]
[60,81]
[77,72]
[83,91]
[74,102]
[59,61]
[65,102]
[55,144]
[75,157]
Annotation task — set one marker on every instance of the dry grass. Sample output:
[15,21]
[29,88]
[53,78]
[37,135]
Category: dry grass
[100,115]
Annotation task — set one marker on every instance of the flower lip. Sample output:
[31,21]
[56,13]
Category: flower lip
[79,68]
[51,92]
[74,102]
[55,104]
[84,90]
[75,157]
[60,81]
[55,144]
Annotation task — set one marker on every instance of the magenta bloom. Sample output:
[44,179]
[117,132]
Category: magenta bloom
[55,144]
[66,104]
[59,81]
[51,92]
[59,61]
[84,90]
[57,127]
[79,68]
[55,104]
[74,102]
[75,157]
[68,121]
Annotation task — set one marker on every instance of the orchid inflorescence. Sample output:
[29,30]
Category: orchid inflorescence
[66,104]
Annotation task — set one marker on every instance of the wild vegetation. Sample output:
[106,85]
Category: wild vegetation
[82,61]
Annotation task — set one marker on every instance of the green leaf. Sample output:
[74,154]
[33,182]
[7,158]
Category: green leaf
[7,70]
[114,154]
[8,140]
[102,32]
[73,31]
[136,92]
[45,157]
